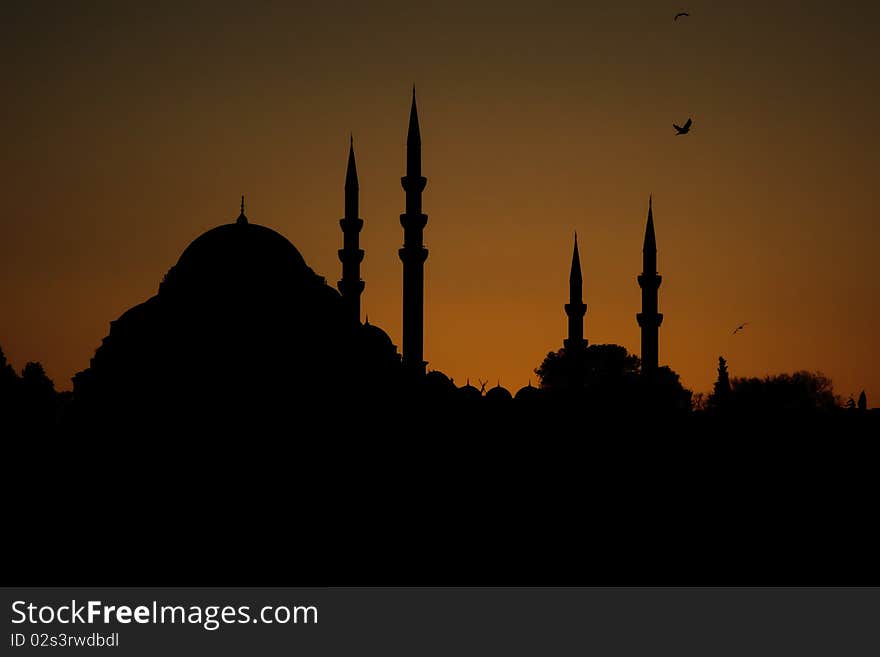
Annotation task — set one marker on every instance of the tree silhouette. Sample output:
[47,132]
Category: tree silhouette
[720,396]
[863,401]
[10,389]
[608,378]
[802,391]
[38,397]
[8,377]
[35,380]
[664,392]
[597,364]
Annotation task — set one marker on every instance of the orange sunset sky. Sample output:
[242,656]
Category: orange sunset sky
[131,128]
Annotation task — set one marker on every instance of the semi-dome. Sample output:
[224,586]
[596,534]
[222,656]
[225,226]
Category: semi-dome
[374,340]
[376,335]
[437,383]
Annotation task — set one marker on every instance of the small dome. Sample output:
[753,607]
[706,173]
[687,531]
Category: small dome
[469,392]
[499,394]
[528,393]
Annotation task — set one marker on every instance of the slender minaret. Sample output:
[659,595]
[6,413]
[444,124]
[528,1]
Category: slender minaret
[351,255]
[575,308]
[413,254]
[649,280]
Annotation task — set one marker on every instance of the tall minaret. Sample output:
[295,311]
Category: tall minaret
[413,254]
[649,280]
[351,255]
[575,308]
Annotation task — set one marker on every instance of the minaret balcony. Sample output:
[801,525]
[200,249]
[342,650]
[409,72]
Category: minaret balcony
[574,345]
[649,320]
[347,287]
[415,220]
[351,224]
[413,183]
[413,255]
[349,256]
[652,280]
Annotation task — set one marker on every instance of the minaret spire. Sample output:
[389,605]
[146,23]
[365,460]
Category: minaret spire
[413,254]
[414,145]
[575,276]
[351,183]
[351,255]
[575,308]
[649,280]
[649,249]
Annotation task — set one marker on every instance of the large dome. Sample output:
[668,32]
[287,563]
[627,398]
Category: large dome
[241,254]
[241,328]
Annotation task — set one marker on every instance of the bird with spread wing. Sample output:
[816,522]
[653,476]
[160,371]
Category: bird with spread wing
[683,129]
[680,14]
[740,328]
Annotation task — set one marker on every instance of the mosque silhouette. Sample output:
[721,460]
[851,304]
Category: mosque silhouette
[241,327]
[245,427]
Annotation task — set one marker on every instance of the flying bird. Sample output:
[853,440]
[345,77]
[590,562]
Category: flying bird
[740,328]
[683,129]
[680,14]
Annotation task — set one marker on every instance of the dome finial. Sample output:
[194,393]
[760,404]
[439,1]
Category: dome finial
[241,218]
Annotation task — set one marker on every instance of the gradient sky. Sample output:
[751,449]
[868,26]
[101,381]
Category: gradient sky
[131,128]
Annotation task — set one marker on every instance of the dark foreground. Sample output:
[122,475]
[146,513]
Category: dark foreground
[693,500]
